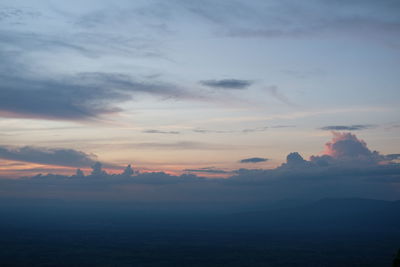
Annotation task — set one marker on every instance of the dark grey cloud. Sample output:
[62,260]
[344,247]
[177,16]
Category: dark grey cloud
[49,99]
[253,160]
[60,157]
[160,132]
[210,170]
[354,127]
[81,97]
[227,84]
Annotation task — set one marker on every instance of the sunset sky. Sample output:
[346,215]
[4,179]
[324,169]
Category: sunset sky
[202,87]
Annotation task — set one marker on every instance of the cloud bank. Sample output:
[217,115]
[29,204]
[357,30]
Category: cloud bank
[346,168]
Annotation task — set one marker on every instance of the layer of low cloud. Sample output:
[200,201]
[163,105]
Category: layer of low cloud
[253,160]
[346,168]
[235,84]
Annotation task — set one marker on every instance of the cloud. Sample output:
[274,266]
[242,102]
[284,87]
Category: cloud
[182,145]
[17,15]
[49,99]
[247,130]
[203,131]
[278,95]
[253,160]
[160,132]
[211,170]
[354,127]
[81,97]
[29,91]
[346,147]
[295,159]
[347,168]
[392,156]
[60,157]
[227,84]
[370,20]
[258,129]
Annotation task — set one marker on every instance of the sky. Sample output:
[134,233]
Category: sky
[210,88]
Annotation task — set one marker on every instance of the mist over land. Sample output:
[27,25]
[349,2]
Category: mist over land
[199,133]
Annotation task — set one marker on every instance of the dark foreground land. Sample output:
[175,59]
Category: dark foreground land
[326,233]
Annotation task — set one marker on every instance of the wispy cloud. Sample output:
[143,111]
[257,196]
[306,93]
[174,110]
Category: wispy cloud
[211,170]
[291,19]
[354,127]
[80,97]
[182,145]
[253,160]
[278,95]
[235,84]
[247,130]
[153,131]
[59,157]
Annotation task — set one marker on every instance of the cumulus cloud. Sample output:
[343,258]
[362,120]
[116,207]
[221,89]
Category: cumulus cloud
[253,160]
[227,84]
[347,128]
[61,157]
[294,159]
[347,148]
